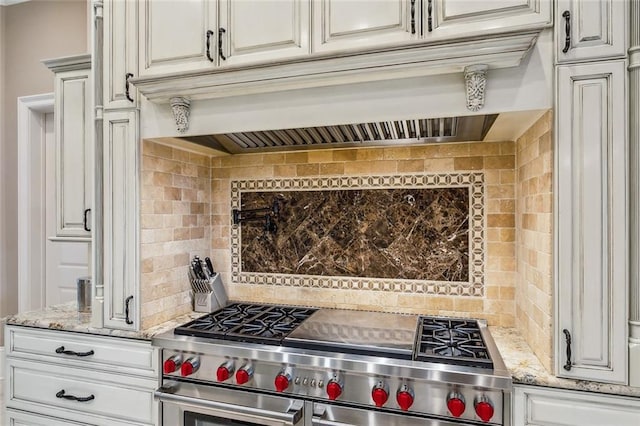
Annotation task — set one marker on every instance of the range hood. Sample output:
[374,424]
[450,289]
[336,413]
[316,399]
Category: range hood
[399,132]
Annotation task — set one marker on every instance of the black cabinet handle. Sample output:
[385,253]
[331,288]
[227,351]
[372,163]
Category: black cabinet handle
[221,32]
[567,31]
[61,394]
[429,15]
[126,310]
[567,337]
[85,221]
[126,87]
[413,16]
[209,34]
[61,350]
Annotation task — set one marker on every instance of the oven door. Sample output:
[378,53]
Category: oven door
[187,404]
[331,415]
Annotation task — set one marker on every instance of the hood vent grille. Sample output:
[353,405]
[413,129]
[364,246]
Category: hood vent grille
[434,130]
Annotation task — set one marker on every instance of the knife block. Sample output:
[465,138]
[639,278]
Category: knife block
[215,296]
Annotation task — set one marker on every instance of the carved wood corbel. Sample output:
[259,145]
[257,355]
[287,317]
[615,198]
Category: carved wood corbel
[475,77]
[181,108]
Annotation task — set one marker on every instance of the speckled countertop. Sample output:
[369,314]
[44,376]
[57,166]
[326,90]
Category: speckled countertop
[518,356]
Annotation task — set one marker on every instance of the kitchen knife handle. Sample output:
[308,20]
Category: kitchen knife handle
[413,16]
[126,310]
[567,337]
[85,221]
[61,350]
[429,16]
[209,265]
[221,32]
[61,394]
[567,31]
[209,34]
[126,86]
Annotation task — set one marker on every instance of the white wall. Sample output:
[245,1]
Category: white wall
[30,32]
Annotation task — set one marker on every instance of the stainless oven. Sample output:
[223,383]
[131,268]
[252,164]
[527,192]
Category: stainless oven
[188,404]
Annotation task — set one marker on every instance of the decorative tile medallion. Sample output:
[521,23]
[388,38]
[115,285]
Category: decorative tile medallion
[330,230]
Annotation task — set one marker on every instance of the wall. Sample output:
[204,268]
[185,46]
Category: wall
[3,279]
[31,31]
[534,221]
[175,222]
[496,160]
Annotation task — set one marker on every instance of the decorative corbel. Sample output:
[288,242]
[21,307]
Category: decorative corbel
[475,77]
[181,107]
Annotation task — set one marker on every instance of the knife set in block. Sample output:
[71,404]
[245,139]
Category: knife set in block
[208,291]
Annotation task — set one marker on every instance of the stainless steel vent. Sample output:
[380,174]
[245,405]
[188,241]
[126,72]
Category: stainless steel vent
[427,130]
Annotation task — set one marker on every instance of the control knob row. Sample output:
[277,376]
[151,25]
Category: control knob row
[482,405]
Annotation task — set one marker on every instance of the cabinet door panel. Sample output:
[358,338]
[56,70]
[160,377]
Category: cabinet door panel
[598,29]
[264,30]
[352,24]
[74,152]
[173,34]
[121,218]
[592,221]
[120,51]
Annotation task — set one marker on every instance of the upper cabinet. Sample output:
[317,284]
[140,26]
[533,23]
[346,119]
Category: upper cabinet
[120,53]
[468,18]
[354,24]
[590,29]
[73,146]
[177,35]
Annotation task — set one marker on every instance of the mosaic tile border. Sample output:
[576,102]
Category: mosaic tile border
[472,180]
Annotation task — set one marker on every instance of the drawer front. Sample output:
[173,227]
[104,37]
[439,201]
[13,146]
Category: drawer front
[51,389]
[553,407]
[112,354]
[21,418]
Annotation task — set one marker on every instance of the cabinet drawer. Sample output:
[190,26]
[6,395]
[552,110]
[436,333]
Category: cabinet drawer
[553,407]
[39,387]
[112,354]
[21,418]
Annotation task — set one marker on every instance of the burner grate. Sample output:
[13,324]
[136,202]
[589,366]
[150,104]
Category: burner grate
[455,341]
[244,322]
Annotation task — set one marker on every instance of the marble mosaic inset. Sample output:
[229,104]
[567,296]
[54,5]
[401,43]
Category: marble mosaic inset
[407,233]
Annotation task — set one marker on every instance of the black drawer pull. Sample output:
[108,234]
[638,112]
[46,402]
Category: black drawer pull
[209,34]
[221,32]
[127,76]
[61,350]
[413,16]
[61,394]
[567,337]
[126,310]
[430,18]
[85,220]
[567,31]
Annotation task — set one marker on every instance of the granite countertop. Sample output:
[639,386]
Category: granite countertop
[65,317]
[517,355]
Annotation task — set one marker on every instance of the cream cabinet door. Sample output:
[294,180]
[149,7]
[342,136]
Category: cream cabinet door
[74,153]
[120,52]
[468,18]
[591,222]
[121,158]
[591,29]
[259,30]
[177,35]
[353,24]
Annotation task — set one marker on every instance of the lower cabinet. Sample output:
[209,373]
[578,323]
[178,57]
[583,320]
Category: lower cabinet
[56,377]
[537,406]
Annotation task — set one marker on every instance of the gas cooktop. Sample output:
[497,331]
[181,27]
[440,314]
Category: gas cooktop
[454,341]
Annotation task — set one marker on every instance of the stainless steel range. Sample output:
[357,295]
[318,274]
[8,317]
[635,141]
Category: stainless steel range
[252,364]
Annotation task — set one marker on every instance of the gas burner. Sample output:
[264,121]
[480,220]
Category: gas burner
[453,341]
[248,323]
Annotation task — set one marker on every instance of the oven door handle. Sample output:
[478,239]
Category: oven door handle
[223,409]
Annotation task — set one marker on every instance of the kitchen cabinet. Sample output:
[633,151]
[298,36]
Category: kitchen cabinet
[591,29]
[591,221]
[177,35]
[73,146]
[537,406]
[121,217]
[120,53]
[112,378]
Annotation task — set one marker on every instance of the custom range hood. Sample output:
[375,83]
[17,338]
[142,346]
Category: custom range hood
[428,130]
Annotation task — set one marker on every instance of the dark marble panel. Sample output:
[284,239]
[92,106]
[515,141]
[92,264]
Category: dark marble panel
[419,234]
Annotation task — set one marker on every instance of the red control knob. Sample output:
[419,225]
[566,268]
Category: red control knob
[242,376]
[281,382]
[405,400]
[379,396]
[484,410]
[169,366]
[189,367]
[222,373]
[456,406]
[334,389]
